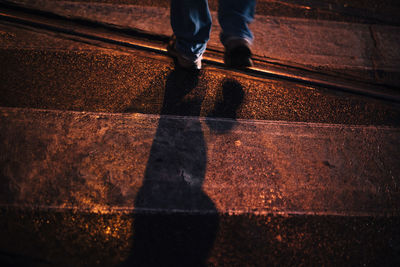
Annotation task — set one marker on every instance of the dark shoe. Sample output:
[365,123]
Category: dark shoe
[181,60]
[238,54]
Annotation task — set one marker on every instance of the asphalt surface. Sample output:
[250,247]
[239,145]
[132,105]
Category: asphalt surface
[59,73]
[39,238]
[339,10]
[46,70]
[356,51]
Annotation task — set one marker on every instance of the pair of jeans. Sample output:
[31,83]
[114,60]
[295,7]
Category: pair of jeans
[191,23]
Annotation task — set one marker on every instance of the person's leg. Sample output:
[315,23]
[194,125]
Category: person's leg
[191,24]
[234,17]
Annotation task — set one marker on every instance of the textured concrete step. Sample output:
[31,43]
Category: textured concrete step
[48,70]
[48,238]
[113,162]
[85,189]
[368,51]
[81,188]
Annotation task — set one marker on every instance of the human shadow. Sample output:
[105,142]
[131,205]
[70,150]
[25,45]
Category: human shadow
[175,223]
[226,106]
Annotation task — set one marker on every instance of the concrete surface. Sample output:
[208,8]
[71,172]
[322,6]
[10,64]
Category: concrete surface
[79,239]
[41,238]
[229,170]
[108,189]
[384,11]
[369,51]
[95,77]
[99,162]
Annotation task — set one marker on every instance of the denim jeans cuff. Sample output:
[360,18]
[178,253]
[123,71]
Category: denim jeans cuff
[190,51]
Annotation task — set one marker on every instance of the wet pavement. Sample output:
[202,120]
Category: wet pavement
[74,192]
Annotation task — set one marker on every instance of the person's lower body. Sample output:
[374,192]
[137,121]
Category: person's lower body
[191,24]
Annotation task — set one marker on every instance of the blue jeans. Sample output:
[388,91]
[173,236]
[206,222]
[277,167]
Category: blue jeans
[191,23]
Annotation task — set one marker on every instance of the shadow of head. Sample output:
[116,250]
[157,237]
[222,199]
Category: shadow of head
[226,107]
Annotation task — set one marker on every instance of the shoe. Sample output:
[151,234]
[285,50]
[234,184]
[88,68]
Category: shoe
[238,54]
[181,60]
